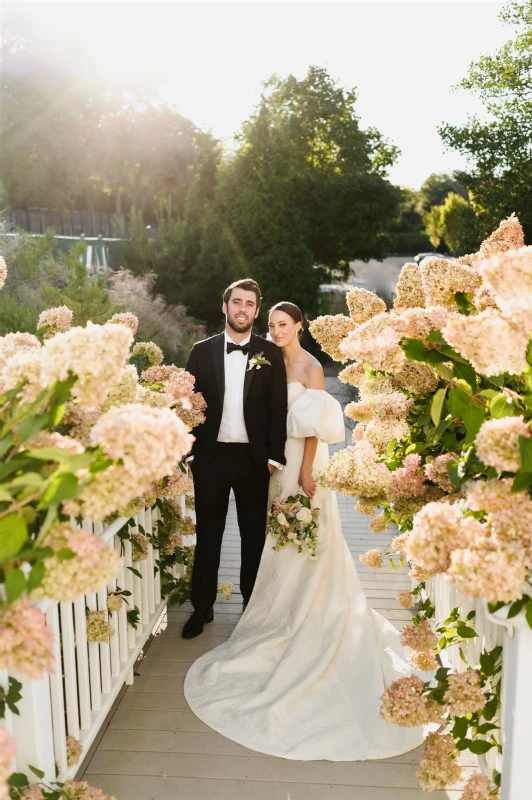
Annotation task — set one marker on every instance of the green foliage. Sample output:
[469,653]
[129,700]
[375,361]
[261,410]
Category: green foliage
[435,190]
[497,145]
[454,223]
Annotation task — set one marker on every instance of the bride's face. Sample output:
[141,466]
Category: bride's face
[283,329]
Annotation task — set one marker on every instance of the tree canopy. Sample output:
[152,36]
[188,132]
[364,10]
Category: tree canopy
[499,147]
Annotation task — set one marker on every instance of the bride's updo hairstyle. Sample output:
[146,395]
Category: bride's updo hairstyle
[292,310]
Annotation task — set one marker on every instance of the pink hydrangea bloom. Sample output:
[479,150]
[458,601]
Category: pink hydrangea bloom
[437,472]
[420,638]
[364,305]
[56,320]
[464,695]
[508,236]
[442,279]
[420,322]
[409,289]
[498,443]
[74,790]
[98,629]
[408,481]
[174,541]
[74,750]
[417,378]
[94,564]
[355,471]
[125,390]
[492,344]
[126,318]
[379,524]
[424,662]
[139,547]
[7,754]
[96,354]
[149,350]
[439,766]
[495,576]
[354,375]
[509,276]
[404,703]
[376,343]
[406,599]
[26,642]
[373,558]
[329,331]
[13,343]
[479,787]
[437,532]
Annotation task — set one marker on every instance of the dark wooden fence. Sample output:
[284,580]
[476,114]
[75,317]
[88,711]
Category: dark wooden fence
[65,223]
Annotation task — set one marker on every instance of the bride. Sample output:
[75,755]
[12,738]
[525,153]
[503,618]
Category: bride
[302,674]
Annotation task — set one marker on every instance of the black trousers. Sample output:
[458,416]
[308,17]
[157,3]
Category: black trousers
[231,467]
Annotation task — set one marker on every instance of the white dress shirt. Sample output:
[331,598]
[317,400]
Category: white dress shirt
[233,426]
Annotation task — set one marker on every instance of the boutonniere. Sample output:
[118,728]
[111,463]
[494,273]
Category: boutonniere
[258,361]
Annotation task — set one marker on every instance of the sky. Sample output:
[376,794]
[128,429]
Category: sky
[209,59]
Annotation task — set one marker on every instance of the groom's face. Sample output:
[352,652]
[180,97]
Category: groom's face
[241,310]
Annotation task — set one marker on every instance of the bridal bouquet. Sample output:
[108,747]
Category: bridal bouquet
[294,521]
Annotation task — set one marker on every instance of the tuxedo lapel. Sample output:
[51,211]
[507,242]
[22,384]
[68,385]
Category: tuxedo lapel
[254,347]
[217,344]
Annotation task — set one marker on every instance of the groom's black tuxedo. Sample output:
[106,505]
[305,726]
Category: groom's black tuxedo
[220,466]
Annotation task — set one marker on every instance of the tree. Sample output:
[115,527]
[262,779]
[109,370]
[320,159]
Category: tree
[454,222]
[499,150]
[306,191]
[435,189]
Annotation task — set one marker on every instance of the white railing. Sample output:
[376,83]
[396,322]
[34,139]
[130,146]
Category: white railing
[515,715]
[87,678]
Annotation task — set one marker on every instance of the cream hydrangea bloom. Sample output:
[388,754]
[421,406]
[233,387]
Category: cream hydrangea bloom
[490,342]
[364,305]
[409,289]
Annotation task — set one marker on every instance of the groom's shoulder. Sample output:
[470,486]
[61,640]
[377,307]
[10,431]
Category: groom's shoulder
[204,343]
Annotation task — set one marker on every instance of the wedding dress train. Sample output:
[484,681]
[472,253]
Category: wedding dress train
[302,673]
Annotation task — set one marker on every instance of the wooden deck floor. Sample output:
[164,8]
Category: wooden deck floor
[154,748]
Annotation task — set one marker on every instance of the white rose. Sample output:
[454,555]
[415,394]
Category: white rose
[281,519]
[291,535]
[305,515]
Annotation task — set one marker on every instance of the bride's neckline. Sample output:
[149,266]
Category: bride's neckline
[291,383]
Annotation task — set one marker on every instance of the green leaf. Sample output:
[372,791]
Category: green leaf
[465,306]
[135,572]
[61,487]
[436,406]
[529,613]
[414,349]
[36,575]
[458,403]
[5,497]
[15,583]
[523,480]
[6,443]
[65,554]
[13,534]
[525,449]
[463,744]
[486,664]
[38,772]
[473,419]
[479,746]
[18,780]
[460,728]
[465,632]
[516,607]
[467,374]
[30,426]
[487,727]
[501,406]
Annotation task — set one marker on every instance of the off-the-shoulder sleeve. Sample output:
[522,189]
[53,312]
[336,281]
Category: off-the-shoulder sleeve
[318,414]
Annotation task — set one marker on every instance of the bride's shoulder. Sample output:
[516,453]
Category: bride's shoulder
[313,373]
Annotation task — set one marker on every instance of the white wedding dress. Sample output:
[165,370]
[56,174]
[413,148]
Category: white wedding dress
[302,673]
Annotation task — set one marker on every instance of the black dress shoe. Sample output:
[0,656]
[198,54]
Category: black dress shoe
[194,624]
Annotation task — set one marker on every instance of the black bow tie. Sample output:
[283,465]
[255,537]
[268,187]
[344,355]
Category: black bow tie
[242,348]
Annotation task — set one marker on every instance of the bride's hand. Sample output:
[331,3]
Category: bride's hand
[307,482]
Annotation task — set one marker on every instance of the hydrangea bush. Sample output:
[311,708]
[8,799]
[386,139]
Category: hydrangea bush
[443,448]
[87,428]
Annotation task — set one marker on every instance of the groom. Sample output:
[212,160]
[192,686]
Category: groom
[243,379]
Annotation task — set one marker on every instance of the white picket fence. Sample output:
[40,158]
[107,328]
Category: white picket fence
[76,699]
[516,692]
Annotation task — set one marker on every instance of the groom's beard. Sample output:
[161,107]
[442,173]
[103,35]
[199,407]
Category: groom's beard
[239,327]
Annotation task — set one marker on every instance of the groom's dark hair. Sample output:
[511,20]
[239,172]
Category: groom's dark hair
[248,284]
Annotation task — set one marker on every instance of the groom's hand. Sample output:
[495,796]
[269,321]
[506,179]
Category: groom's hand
[271,468]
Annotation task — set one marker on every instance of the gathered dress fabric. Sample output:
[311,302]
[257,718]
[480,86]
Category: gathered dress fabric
[302,674]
